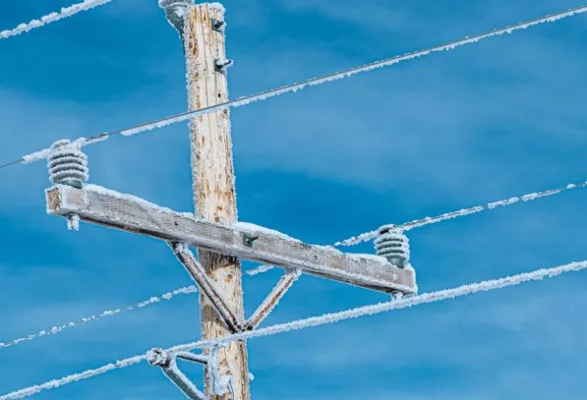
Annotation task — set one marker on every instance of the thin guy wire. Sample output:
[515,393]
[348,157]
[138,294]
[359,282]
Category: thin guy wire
[242,101]
[395,304]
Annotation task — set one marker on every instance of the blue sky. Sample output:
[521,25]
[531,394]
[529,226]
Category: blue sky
[488,121]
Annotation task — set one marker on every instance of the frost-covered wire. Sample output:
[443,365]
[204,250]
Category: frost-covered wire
[108,313]
[259,270]
[364,237]
[395,304]
[53,17]
[243,101]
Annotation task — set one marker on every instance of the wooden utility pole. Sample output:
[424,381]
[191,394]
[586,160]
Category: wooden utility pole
[214,230]
[213,180]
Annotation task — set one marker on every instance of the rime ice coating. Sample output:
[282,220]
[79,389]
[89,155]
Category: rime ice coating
[242,101]
[53,17]
[364,237]
[108,313]
[395,304]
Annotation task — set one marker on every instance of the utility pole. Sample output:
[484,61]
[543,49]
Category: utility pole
[212,171]
[221,240]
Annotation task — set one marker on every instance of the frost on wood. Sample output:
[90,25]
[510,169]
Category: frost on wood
[425,298]
[216,6]
[100,206]
[134,199]
[246,226]
[53,17]
[243,101]
[108,313]
[465,212]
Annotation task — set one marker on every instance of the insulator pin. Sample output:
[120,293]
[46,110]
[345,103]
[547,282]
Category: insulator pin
[67,164]
[394,245]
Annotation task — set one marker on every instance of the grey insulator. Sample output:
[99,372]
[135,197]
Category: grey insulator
[394,245]
[67,164]
[175,11]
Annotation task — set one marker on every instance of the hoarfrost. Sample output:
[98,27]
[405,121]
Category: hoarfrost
[108,313]
[395,304]
[364,237]
[216,6]
[260,229]
[243,101]
[259,270]
[36,156]
[53,17]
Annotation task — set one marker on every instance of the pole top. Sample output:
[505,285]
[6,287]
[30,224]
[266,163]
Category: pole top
[175,11]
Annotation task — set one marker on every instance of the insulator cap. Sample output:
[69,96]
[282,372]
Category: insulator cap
[175,12]
[394,245]
[67,164]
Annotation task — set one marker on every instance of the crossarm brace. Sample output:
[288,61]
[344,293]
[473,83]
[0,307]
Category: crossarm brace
[198,273]
[271,301]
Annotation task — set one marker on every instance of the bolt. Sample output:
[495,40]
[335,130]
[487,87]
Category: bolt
[249,240]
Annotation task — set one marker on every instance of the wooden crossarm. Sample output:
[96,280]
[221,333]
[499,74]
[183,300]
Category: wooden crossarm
[105,207]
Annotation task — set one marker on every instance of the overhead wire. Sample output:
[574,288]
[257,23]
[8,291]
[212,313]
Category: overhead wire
[316,321]
[396,304]
[108,313]
[245,100]
[418,223]
[348,242]
[52,17]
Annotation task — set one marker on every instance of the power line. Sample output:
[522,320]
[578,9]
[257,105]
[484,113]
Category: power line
[243,101]
[418,223]
[348,242]
[396,304]
[108,313]
[53,17]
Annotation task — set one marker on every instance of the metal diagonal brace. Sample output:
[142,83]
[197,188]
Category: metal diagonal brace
[197,272]
[167,361]
[271,301]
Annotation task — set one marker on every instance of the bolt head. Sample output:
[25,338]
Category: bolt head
[158,357]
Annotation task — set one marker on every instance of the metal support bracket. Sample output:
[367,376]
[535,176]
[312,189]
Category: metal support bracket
[218,26]
[221,65]
[271,301]
[197,272]
[167,361]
